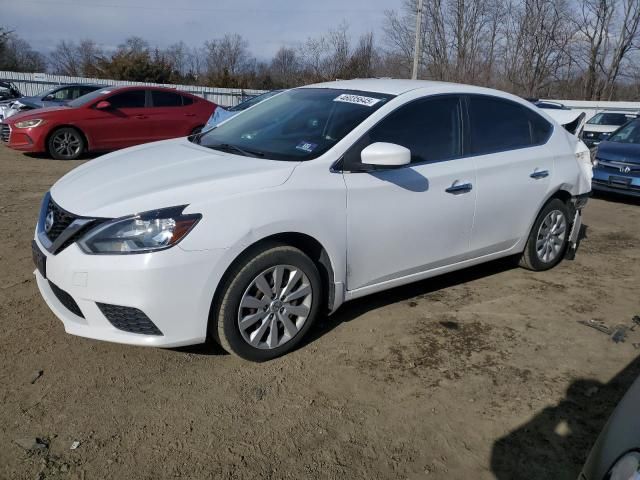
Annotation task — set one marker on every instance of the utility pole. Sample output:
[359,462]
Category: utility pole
[418,45]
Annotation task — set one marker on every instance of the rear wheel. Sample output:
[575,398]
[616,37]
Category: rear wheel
[66,144]
[268,303]
[549,237]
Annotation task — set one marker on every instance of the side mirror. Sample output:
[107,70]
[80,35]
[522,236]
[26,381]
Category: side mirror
[48,98]
[103,105]
[386,154]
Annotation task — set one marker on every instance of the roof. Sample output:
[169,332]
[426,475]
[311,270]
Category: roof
[389,86]
[392,86]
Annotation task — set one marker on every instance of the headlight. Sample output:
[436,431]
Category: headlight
[142,233]
[29,123]
[627,468]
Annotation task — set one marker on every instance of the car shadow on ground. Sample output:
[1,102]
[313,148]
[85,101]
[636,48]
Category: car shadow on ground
[556,441]
[46,156]
[616,197]
[355,308]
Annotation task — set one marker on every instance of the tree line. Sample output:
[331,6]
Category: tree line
[588,49]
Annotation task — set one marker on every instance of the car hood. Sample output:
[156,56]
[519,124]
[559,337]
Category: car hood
[619,152]
[600,128]
[32,102]
[40,113]
[163,174]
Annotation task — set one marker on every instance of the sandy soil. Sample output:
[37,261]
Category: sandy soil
[482,374]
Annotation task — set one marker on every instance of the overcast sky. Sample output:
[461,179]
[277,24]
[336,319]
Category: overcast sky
[266,24]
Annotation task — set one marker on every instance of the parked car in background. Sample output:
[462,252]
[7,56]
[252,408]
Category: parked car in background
[549,105]
[603,124]
[222,114]
[107,119]
[326,193]
[617,161]
[8,91]
[50,98]
[616,453]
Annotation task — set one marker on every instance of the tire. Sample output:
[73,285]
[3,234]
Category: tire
[549,237]
[243,319]
[196,130]
[66,144]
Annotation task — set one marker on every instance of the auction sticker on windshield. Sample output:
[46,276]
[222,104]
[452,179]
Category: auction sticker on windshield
[306,147]
[357,99]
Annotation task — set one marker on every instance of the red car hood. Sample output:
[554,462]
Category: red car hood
[37,113]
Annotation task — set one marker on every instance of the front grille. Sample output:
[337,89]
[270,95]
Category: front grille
[129,319]
[66,300]
[5,132]
[61,220]
[619,167]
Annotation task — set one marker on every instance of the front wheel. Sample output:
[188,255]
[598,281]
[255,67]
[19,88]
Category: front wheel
[268,303]
[549,237]
[66,144]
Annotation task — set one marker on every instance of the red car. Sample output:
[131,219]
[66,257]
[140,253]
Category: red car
[107,119]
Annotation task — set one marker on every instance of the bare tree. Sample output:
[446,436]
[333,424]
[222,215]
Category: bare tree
[535,44]
[17,55]
[626,41]
[227,56]
[285,67]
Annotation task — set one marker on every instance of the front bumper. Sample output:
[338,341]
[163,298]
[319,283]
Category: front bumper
[173,288]
[611,180]
[26,139]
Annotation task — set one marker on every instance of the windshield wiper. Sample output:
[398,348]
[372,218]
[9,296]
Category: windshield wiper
[233,148]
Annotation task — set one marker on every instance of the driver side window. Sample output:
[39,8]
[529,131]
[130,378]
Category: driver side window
[429,127]
[128,99]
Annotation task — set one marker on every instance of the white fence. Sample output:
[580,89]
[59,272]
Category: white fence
[34,83]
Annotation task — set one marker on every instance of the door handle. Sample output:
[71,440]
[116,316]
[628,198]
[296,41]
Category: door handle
[141,117]
[459,187]
[539,174]
[189,114]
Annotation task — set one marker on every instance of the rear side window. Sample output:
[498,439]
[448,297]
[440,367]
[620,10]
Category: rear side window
[187,101]
[429,127]
[499,125]
[64,94]
[129,99]
[166,99]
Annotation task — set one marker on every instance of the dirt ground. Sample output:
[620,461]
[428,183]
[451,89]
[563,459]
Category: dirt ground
[481,374]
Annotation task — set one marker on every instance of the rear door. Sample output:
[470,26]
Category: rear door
[168,117]
[125,124]
[507,143]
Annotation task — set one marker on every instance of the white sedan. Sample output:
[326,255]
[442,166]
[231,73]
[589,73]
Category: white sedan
[322,194]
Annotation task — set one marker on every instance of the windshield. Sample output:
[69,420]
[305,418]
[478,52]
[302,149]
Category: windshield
[89,97]
[299,124]
[609,119]
[630,133]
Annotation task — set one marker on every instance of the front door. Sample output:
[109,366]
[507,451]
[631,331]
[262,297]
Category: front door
[124,124]
[404,221]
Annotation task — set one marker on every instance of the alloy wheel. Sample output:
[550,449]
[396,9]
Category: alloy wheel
[551,236]
[67,144]
[275,307]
